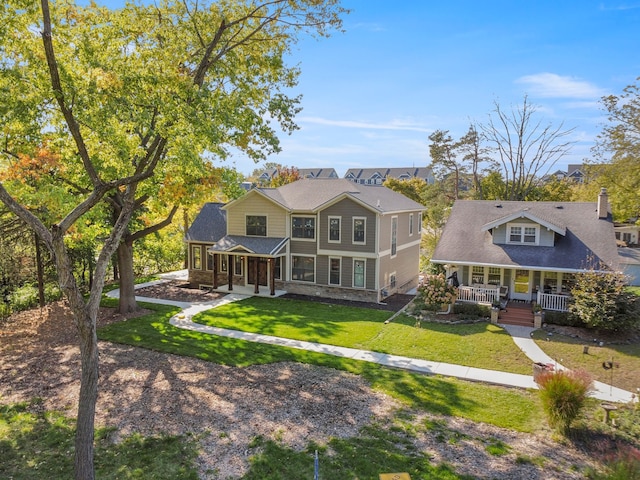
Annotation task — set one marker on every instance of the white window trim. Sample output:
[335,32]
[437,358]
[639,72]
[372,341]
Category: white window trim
[315,269]
[195,248]
[393,274]
[242,269]
[315,228]
[393,255]
[522,226]
[339,218]
[266,218]
[411,224]
[340,272]
[364,274]
[353,230]
[224,260]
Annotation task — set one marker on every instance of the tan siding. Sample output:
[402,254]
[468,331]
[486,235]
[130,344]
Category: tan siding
[257,205]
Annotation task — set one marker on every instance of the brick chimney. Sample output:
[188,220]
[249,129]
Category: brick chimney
[603,203]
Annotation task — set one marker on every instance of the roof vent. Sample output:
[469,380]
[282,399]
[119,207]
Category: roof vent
[378,204]
[498,205]
[559,207]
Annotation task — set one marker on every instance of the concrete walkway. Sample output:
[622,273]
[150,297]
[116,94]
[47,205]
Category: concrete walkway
[521,336]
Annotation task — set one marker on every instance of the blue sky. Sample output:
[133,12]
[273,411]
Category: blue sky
[402,69]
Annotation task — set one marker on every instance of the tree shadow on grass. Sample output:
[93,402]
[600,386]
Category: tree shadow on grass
[38,444]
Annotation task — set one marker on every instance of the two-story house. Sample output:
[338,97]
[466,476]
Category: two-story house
[528,250]
[321,237]
[377,176]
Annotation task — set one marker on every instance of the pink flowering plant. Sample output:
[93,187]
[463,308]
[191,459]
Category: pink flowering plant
[435,292]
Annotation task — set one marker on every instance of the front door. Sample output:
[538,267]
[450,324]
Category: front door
[262,270]
[521,287]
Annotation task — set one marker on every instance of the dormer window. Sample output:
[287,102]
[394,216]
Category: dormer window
[525,234]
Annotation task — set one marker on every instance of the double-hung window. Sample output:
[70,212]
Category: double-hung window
[303,268]
[196,257]
[256,225]
[525,234]
[394,236]
[334,270]
[334,229]
[303,227]
[359,228]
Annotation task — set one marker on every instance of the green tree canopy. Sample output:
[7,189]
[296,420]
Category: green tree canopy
[125,98]
[618,153]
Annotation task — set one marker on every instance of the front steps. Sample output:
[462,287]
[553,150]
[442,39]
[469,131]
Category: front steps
[517,314]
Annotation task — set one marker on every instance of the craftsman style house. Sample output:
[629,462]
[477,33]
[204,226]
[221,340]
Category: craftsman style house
[525,251]
[325,237]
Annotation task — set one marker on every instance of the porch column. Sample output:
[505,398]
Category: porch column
[272,276]
[256,280]
[230,267]
[215,271]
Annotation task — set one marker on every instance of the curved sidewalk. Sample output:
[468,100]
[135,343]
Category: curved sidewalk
[520,335]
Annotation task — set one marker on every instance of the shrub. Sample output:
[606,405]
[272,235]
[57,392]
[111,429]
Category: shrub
[471,310]
[563,394]
[434,292]
[601,300]
[562,318]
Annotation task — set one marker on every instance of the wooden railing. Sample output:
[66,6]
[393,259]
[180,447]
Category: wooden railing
[552,301]
[478,294]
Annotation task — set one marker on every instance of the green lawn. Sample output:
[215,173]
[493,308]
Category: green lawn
[569,351]
[509,408]
[36,444]
[481,345]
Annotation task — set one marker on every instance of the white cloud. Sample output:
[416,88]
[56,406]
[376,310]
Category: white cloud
[551,85]
[393,125]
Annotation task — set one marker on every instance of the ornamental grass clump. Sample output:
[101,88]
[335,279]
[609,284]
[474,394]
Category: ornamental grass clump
[564,394]
[435,292]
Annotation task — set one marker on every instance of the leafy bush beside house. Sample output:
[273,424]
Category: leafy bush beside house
[434,293]
[601,300]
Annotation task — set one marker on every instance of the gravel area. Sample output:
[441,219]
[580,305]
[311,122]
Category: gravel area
[226,407]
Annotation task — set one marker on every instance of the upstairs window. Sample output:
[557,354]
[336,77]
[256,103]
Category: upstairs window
[394,236]
[359,226]
[334,229]
[303,227]
[525,234]
[257,225]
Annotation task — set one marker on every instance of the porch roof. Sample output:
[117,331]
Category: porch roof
[588,240]
[265,246]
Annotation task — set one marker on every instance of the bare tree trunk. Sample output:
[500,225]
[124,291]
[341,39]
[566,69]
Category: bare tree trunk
[39,269]
[85,316]
[87,400]
[127,303]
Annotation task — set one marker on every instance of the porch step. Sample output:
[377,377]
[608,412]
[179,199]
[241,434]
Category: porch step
[517,314]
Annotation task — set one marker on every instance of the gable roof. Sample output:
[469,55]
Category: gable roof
[397,172]
[525,213]
[209,226]
[313,194]
[466,237]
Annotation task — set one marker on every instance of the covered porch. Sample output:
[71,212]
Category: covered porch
[247,264]
[496,284]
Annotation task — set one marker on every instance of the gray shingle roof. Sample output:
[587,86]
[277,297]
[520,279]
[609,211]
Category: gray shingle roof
[256,245]
[396,172]
[209,226]
[310,194]
[464,241]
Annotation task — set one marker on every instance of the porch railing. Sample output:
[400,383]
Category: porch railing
[553,301]
[478,294]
